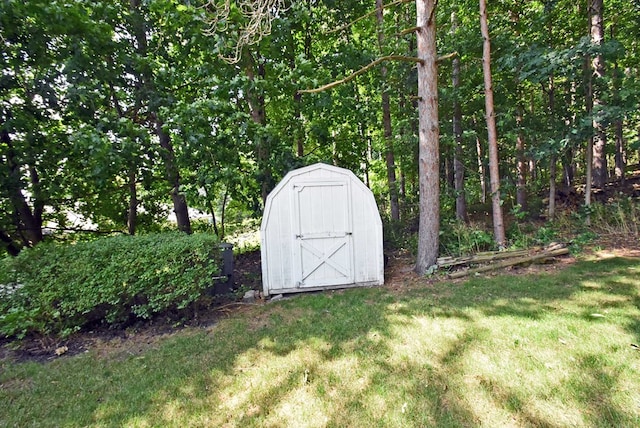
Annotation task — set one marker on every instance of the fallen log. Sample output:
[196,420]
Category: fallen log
[482,257]
[511,262]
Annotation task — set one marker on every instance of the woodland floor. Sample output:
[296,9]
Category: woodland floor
[399,275]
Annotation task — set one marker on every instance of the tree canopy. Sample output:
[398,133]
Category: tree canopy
[115,113]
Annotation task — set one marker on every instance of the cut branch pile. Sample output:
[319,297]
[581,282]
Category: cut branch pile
[494,260]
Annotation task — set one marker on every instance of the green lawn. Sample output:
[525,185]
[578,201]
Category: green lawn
[550,350]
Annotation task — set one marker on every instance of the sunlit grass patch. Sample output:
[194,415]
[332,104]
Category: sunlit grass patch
[552,349]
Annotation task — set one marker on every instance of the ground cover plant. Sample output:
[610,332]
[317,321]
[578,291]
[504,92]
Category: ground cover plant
[57,289]
[555,348]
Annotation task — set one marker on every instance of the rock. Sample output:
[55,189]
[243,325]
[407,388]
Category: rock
[249,296]
[276,298]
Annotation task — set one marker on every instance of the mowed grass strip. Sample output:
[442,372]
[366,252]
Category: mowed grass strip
[551,349]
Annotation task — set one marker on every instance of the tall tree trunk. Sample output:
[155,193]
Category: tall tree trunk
[386,122]
[257,111]
[589,150]
[428,137]
[458,167]
[600,137]
[521,162]
[494,173]
[620,162]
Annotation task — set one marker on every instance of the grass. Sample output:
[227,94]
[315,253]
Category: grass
[548,350]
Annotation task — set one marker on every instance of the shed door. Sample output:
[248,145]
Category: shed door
[323,248]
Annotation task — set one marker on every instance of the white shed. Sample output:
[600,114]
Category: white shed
[321,229]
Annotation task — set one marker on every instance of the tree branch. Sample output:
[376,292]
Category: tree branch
[366,15]
[433,12]
[360,71]
[447,56]
[407,31]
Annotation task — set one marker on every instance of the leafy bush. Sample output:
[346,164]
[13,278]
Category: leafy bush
[57,289]
[457,238]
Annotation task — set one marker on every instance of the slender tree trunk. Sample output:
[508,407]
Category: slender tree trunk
[132,214]
[597,63]
[481,168]
[458,167]
[386,122]
[620,162]
[620,158]
[212,211]
[521,163]
[554,157]
[173,178]
[551,212]
[428,137]
[257,111]
[494,173]
[589,150]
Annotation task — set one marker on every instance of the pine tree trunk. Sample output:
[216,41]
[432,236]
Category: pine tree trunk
[428,137]
[496,205]
[458,166]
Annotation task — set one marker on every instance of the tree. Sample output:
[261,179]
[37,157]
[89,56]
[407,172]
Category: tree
[428,137]
[458,167]
[386,121]
[597,63]
[496,203]
[148,94]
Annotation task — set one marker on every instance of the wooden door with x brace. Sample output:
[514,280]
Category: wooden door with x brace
[323,241]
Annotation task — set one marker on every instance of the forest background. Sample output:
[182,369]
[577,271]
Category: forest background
[115,113]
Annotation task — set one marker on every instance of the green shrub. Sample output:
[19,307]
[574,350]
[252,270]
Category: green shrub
[58,289]
[458,238]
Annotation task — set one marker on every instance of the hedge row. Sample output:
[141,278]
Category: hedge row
[56,289]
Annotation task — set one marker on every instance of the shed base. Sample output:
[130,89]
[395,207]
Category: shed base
[267,293]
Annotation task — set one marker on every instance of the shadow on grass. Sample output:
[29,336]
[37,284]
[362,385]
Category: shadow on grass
[360,357]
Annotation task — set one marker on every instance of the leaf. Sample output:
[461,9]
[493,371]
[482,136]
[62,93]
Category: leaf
[61,350]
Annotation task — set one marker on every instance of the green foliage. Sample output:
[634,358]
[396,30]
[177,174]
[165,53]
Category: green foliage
[57,289]
[619,216]
[458,238]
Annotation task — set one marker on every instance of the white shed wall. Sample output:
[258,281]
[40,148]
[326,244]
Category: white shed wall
[309,244]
